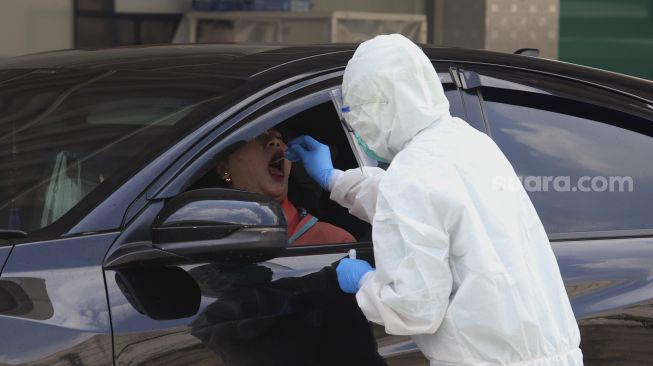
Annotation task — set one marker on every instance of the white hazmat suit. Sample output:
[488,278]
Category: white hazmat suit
[463,265]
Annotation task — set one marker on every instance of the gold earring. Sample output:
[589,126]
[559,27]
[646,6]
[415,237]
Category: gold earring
[226,177]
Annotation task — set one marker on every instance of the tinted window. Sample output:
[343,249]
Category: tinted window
[586,167]
[64,133]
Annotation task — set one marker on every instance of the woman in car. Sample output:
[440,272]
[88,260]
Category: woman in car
[293,320]
[259,166]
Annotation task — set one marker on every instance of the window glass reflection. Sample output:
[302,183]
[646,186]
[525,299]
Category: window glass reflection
[544,145]
[305,320]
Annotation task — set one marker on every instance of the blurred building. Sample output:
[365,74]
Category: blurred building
[614,35]
[610,34]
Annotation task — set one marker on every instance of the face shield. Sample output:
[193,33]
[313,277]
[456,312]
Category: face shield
[354,140]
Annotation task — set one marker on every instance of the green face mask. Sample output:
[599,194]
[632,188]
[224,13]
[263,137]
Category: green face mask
[367,150]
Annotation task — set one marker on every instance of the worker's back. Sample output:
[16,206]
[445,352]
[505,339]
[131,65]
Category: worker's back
[508,303]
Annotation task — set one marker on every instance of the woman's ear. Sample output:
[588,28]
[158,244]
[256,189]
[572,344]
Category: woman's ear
[223,173]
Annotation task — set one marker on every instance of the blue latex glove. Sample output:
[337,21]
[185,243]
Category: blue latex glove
[315,156]
[350,272]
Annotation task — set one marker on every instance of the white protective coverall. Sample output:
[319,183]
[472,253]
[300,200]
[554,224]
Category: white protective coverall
[462,264]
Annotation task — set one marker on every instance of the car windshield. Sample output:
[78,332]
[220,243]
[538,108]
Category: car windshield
[66,133]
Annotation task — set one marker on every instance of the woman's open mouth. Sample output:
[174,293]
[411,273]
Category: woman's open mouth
[276,166]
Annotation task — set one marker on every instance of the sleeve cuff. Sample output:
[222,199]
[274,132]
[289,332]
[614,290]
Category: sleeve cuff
[364,278]
[333,177]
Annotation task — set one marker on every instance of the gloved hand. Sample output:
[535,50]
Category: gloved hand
[350,272]
[315,156]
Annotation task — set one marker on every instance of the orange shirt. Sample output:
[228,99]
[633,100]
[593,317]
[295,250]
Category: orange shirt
[316,232]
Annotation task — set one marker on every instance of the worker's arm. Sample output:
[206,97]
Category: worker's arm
[351,189]
[357,192]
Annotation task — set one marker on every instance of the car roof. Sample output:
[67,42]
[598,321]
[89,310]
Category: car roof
[233,60]
[249,61]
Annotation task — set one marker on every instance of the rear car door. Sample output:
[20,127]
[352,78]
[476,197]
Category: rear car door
[583,154]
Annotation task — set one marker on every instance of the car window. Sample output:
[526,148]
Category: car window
[64,133]
[252,165]
[321,122]
[585,166]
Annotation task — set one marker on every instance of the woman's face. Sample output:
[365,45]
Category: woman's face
[259,166]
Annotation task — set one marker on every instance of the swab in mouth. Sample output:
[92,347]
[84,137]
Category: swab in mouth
[276,168]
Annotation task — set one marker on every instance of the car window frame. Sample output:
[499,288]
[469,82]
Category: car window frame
[470,101]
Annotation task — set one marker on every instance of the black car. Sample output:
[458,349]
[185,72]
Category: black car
[117,245]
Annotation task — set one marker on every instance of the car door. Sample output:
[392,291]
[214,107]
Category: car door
[582,153]
[283,310]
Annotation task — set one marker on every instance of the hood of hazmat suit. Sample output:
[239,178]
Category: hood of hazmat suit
[387,83]
[463,263]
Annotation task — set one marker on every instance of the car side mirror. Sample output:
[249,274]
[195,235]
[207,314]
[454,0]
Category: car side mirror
[211,225]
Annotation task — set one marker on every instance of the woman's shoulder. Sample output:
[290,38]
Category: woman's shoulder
[325,233]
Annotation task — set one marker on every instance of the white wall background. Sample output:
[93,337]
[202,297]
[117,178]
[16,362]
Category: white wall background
[28,26]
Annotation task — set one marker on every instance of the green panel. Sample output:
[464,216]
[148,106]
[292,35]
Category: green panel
[615,35]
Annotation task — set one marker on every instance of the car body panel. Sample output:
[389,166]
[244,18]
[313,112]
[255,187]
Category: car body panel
[59,307]
[297,314]
[610,287]
[245,61]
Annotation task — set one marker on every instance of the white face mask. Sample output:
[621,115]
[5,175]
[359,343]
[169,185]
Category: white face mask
[367,150]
